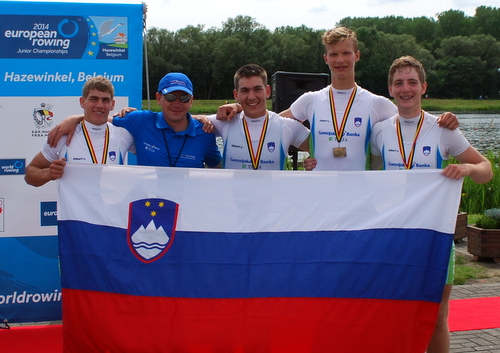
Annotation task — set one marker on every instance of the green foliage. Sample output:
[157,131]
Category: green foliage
[490,219]
[493,213]
[487,222]
[461,54]
[454,23]
[476,198]
[486,21]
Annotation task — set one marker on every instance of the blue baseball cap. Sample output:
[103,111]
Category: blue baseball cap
[175,81]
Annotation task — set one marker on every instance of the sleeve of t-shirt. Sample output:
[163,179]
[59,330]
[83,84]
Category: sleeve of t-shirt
[297,132]
[218,124]
[376,139]
[302,108]
[383,109]
[53,153]
[454,142]
[126,140]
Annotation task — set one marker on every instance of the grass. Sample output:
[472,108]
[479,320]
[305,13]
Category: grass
[433,105]
[199,106]
[464,270]
[461,105]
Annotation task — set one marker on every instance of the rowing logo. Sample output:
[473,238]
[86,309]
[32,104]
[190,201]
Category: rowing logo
[151,228]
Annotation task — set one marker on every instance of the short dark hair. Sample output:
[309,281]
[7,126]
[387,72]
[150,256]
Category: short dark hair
[249,70]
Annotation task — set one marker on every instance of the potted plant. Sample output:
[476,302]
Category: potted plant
[483,238]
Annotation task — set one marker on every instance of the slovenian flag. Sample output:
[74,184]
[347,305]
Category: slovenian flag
[202,260]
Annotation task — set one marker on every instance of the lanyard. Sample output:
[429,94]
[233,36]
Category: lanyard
[339,130]
[88,140]
[255,157]
[168,150]
[408,163]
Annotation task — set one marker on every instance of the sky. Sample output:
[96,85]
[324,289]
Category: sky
[317,14]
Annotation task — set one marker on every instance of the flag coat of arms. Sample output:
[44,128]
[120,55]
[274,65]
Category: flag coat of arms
[199,260]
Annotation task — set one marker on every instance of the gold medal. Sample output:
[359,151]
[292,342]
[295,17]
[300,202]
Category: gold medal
[339,152]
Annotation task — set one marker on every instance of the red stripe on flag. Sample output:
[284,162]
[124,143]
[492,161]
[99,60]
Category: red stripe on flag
[104,322]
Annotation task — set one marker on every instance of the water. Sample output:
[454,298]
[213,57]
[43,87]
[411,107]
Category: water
[482,131]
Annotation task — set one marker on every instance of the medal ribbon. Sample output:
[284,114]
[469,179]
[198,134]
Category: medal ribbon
[339,130]
[91,147]
[408,163]
[255,158]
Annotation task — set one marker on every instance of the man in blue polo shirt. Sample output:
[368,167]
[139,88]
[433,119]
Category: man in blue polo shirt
[170,138]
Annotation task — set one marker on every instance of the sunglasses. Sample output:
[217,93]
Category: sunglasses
[184,98]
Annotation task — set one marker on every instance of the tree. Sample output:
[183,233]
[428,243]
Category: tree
[195,52]
[424,30]
[481,49]
[210,57]
[459,77]
[297,49]
[160,59]
[454,23]
[487,21]
[379,50]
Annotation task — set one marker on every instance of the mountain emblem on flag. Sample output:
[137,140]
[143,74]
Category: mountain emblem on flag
[151,228]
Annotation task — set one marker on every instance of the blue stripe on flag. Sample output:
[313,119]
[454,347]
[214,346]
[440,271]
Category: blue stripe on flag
[342,264]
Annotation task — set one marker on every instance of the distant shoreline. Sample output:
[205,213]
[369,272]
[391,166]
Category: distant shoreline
[458,106]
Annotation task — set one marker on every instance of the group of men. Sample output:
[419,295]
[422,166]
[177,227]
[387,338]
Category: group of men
[402,136]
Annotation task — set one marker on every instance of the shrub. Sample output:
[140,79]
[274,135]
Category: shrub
[490,219]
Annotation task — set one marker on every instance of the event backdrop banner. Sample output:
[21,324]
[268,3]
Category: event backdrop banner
[204,260]
[47,52]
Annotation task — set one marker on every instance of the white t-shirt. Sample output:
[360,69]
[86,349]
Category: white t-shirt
[367,109]
[434,143]
[120,141]
[280,135]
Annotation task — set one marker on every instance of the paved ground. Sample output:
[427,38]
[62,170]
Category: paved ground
[485,341]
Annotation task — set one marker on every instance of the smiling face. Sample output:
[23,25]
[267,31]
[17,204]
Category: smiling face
[252,94]
[175,113]
[96,106]
[341,58]
[407,89]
